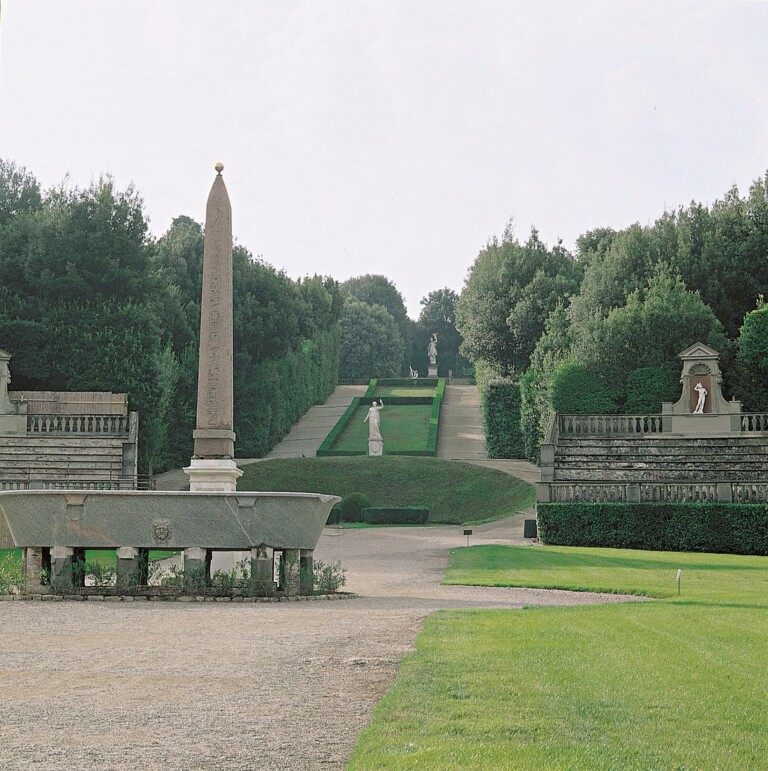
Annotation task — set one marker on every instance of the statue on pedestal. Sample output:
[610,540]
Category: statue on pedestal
[375,439]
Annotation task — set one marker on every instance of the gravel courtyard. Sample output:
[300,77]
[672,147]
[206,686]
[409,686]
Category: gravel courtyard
[232,686]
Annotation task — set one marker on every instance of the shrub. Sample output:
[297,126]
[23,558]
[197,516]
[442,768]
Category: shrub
[12,580]
[352,507]
[501,419]
[328,579]
[576,391]
[728,528]
[335,516]
[395,515]
[648,387]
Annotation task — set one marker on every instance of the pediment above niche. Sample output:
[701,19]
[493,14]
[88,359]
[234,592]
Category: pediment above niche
[699,351]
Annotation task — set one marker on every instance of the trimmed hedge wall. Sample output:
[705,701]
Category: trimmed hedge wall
[434,418]
[501,419]
[726,528]
[395,515]
[325,447]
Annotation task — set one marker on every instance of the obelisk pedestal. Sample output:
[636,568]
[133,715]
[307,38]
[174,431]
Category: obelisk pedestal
[213,468]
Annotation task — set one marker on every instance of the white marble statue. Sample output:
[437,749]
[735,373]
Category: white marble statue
[702,392]
[374,420]
[432,349]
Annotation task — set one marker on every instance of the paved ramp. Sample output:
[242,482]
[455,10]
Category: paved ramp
[462,437]
[307,435]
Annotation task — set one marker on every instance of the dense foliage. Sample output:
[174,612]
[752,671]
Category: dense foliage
[621,308]
[500,401]
[730,528]
[88,301]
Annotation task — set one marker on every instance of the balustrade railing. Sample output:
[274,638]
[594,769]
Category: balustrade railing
[754,421]
[657,492]
[588,492]
[750,492]
[608,425]
[78,424]
[114,483]
[669,492]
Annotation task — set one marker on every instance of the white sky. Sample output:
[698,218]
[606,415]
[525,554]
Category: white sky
[391,137]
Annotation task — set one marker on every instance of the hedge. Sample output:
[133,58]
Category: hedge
[434,418]
[395,515]
[326,445]
[726,528]
[577,391]
[501,419]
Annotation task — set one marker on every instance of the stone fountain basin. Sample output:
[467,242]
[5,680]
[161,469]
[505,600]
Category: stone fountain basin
[162,520]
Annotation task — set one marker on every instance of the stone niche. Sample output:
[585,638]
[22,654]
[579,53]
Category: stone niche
[701,370]
[13,414]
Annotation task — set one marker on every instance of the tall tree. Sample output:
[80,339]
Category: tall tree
[379,290]
[752,359]
[438,315]
[371,345]
[509,292]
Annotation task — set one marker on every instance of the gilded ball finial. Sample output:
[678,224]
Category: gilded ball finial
[219,167]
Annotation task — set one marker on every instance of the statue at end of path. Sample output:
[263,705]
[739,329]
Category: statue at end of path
[702,392]
[373,419]
[432,349]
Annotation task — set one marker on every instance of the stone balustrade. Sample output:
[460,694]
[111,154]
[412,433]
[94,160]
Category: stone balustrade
[653,492]
[78,424]
[754,421]
[30,482]
[608,425]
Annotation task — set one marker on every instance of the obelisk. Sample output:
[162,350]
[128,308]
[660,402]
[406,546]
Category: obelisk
[213,467]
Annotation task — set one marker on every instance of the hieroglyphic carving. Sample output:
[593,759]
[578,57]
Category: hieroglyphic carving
[214,395]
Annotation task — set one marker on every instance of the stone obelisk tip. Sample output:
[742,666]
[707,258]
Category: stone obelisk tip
[219,167]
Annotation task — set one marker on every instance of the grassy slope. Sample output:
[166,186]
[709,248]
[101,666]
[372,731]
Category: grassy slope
[678,683]
[454,492]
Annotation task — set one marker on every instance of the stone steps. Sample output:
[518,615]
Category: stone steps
[61,457]
[662,457]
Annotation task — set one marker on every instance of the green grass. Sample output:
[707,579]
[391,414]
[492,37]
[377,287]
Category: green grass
[649,573]
[678,683]
[404,428]
[454,492]
[384,391]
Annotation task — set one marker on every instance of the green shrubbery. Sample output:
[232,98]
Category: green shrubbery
[351,507]
[729,528]
[395,515]
[576,391]
[501,418]
[648,387]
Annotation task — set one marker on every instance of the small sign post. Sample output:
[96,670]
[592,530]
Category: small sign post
[679,579]
[467,533]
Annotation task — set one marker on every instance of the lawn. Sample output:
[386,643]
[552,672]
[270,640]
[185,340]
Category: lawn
[678,683]
[404,428]
[454,492]
[382,391]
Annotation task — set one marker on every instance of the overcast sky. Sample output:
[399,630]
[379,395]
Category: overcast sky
[391,137]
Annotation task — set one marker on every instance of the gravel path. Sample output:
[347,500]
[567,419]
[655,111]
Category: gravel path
[231,686]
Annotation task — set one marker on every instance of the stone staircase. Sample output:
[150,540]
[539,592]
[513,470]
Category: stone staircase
[662,457]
